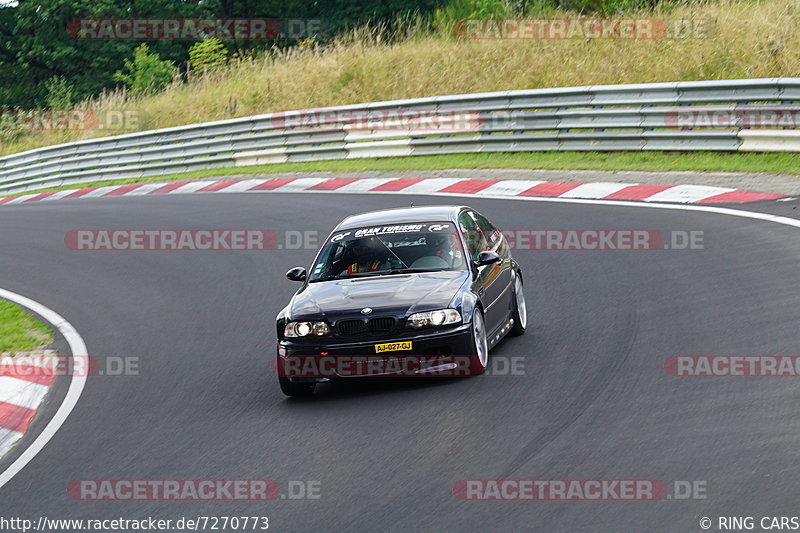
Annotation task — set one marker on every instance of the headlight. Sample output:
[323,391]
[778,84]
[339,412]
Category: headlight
[440,317]
[304,329]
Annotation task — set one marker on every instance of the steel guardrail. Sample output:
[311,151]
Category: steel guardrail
[599,118]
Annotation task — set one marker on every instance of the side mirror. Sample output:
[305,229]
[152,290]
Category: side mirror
[297,274]
[487,258]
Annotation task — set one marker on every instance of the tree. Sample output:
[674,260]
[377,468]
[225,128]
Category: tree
[207,56]
[147,73]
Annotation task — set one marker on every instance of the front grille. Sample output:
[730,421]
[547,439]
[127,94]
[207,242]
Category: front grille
[381,325]
[374,327]
[351,328]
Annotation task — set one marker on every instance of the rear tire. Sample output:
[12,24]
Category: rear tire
[479,346]
[519,311]
[296,389]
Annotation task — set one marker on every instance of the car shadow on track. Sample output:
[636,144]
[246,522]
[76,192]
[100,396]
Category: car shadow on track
[367,387]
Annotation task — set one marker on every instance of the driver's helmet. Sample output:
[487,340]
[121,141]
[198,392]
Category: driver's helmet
[364,248]
[443,244]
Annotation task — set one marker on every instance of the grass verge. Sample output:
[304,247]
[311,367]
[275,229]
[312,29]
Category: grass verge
[19,331]
[771,163]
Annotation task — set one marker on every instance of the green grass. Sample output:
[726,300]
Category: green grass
[19,331]
[772,163]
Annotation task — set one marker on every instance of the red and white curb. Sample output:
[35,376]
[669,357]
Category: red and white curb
[684,194]
[22,389]
[21,397]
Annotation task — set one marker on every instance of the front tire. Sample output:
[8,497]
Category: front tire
[479,346]
[519,311]
[296,389]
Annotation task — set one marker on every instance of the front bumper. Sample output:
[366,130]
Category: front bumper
[440,353]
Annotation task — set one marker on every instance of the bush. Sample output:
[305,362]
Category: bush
[59,93]
[207,56]
[147,73]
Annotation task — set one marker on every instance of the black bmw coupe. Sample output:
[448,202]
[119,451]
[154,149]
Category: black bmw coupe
[417,291]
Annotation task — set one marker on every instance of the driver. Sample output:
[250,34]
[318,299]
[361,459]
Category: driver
[365,253]
[447,247]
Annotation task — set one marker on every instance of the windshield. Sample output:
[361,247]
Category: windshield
[389,249]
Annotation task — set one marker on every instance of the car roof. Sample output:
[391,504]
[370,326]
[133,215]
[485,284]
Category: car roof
[402,215]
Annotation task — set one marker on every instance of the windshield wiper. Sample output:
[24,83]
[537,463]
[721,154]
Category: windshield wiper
[328,278]
[407,271]
[349,276]
[413,270]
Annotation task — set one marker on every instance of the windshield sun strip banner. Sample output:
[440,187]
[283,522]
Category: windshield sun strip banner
[393,229]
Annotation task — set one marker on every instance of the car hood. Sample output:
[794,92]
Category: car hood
[397,295]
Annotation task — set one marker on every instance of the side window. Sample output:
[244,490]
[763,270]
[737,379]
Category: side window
[476,241]
[493,236]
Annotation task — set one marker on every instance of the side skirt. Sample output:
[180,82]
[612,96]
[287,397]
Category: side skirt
[499,333]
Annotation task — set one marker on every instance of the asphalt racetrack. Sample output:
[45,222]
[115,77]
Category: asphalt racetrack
[593,400]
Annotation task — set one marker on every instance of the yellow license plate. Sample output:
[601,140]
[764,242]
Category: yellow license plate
[393,347]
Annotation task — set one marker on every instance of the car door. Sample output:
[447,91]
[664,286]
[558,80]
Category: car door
[490,280]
